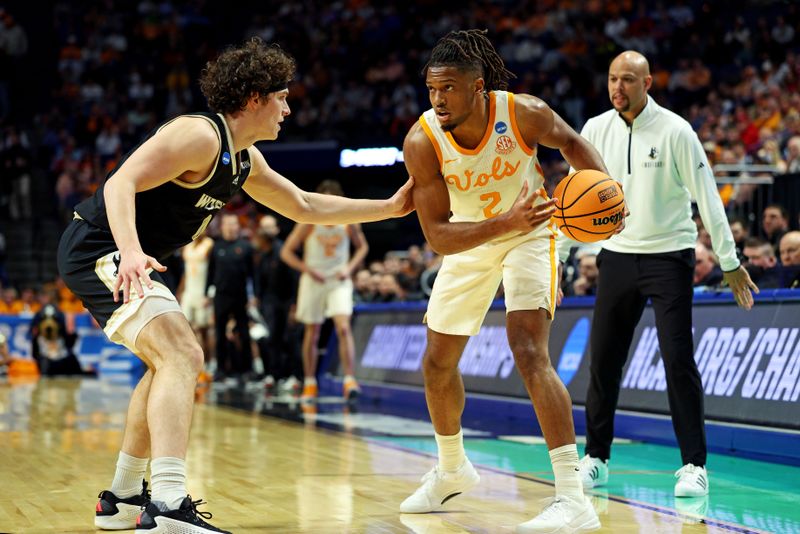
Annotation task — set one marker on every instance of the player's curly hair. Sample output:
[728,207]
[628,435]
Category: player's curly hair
[239,72]
[471,49]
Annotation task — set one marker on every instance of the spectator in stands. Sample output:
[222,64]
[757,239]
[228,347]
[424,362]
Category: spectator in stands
[586,283]
[790,259]
[5,357]
[706,269]
[389,289]
[10,303]
[761,263]
[740,230]
[364,289]
[793,155]
[408,278]
[29,303]
[702,234]
[759,252]
[774,223]
[790,249]
[16,166]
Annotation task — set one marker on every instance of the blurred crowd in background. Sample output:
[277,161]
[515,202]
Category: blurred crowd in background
[87,81]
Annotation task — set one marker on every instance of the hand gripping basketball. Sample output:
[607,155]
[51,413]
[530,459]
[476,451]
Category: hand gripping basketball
[525,216]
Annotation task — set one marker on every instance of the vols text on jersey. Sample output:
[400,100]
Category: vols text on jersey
[500,169]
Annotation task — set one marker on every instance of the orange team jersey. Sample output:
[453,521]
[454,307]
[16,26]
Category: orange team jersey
[485,181]
[12,308]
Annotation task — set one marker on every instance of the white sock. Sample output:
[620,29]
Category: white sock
[309,381]
[565,468]
[128,476]
[168,478]
[451,451]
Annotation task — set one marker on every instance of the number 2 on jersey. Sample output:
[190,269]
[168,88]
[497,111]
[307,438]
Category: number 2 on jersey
[494,200]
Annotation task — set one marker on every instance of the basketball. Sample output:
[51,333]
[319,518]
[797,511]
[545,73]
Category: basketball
[590,206]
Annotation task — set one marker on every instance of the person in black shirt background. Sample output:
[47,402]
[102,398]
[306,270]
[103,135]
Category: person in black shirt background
[275,291]
[230,268]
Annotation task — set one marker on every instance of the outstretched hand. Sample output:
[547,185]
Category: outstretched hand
[132,269]
[740,283]
[402,202]
[524,216]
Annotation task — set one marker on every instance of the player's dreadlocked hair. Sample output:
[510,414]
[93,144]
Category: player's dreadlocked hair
[471,49]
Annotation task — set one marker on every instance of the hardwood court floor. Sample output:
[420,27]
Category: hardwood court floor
[59,440]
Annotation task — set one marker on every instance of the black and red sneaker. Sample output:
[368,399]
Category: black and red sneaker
[113,513]
[186,519]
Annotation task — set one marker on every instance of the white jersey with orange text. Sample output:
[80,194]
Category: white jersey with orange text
[484,182]
[327,249]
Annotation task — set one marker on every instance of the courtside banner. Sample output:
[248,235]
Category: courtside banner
[92,348]
[749,361]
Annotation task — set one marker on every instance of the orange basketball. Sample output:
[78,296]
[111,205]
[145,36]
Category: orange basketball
[590,206]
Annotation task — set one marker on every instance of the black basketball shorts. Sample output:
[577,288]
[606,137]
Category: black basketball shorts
[88,261]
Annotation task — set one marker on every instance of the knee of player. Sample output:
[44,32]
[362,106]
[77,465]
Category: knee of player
[432,364]
[184,354]
[531,357]
[343,329]
[195,358]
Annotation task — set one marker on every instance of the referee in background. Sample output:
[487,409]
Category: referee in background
[661,164]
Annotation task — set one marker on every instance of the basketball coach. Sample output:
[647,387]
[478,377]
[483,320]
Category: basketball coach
[661,164]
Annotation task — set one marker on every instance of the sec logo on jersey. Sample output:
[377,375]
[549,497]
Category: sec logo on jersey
[504,145]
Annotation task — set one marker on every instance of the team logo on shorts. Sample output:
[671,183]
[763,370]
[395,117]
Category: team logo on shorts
[500,127]
[226,158]
[504,145]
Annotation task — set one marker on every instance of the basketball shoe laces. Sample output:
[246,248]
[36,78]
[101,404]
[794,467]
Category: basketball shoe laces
[193,512]
[553,507]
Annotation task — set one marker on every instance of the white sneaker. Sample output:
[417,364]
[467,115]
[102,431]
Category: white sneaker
[692,481]
[562,515]
[692,509]
[594,472]
[438,487]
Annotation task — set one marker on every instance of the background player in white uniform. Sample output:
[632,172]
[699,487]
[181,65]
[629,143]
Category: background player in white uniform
[474,155]
[194,303]
[326,289]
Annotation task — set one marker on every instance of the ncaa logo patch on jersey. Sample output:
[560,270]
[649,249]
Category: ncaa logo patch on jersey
[226,158]
[504,145]
[500,127]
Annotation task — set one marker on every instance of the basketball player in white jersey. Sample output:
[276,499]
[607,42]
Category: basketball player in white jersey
[481,202]
[194,302]
[326,289]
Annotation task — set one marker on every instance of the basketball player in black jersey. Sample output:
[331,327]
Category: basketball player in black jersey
[160,197]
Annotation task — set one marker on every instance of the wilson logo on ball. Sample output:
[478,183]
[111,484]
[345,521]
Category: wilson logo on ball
[612,219]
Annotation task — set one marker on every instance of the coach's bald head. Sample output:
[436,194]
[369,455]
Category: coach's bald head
[628,82]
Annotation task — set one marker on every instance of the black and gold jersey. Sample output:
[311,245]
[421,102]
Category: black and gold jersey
[175,213]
